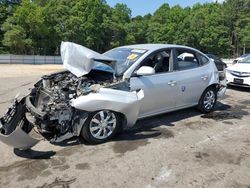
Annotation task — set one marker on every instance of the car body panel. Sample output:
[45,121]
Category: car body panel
[190,85]
[222,90]
[218,62]
[127,103]
[19,139]
[158,95]
[240,67]
[80,60]
[14,130]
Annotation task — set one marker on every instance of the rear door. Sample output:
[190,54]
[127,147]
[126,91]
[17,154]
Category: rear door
[192,75]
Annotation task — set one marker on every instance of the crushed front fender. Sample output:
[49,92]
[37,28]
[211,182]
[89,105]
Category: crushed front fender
[125,102]
[15,129]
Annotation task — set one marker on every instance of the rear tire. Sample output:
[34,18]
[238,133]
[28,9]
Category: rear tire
[101,126]
[208,100]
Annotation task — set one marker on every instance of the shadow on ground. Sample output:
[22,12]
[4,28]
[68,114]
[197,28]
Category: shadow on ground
[145,129]
[32,154]
[236,88]
[153,127]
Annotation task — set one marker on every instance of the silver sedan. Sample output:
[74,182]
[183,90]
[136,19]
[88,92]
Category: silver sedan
[99,94]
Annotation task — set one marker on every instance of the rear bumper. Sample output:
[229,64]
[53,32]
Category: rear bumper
[222,89]
[238,85]
[15,129]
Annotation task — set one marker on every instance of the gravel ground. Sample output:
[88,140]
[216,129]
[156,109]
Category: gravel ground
[180,149]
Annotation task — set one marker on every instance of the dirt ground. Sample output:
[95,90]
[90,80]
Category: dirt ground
[180,149]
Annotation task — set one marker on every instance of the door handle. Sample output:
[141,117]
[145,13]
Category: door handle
[172,83]
[204,77]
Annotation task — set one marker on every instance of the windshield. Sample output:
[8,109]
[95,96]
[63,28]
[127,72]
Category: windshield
[125,57]
[245,60]
[245,55]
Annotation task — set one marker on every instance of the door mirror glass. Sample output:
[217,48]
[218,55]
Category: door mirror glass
[145,71]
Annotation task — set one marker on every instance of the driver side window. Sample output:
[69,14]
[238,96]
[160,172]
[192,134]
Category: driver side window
[159,61]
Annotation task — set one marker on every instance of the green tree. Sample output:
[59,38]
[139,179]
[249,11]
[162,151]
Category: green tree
[28,22]
[56,13]
[86,24]
[236,16]
[17,40]
[207,29]
[39,26]
[156,32]
[245,36]
[118,23]
[6,10]
[136,30]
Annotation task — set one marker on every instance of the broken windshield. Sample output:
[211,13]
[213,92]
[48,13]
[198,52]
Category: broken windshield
[125,57]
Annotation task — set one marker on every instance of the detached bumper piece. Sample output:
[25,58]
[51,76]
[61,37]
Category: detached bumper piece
[222,89]
[15,129]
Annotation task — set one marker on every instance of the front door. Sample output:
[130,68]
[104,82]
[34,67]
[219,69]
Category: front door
[160,88]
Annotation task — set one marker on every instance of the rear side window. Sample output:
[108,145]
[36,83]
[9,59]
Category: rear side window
[186,60]
[202,59]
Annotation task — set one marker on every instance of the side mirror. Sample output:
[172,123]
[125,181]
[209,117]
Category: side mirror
[212,60]
[145,71]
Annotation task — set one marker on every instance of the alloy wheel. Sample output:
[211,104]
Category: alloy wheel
[209,100]
[103,124]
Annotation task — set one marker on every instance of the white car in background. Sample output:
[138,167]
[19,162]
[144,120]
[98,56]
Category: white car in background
[239,73]
[240,58]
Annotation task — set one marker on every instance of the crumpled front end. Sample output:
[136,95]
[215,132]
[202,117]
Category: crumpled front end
[15,129]
[48,108]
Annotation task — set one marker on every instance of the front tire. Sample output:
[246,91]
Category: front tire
[208,100]
[101,126]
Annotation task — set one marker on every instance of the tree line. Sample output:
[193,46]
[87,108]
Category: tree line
[39,26]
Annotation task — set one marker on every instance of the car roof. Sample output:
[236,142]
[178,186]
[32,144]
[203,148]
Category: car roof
[153,47]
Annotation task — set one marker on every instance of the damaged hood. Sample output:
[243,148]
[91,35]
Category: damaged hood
[79,60]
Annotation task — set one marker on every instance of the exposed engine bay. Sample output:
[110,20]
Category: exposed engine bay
[48,107]
[52,95]
[60,104]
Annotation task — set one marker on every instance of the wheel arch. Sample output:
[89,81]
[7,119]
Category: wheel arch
[126,103]
[214,86]
[200,106]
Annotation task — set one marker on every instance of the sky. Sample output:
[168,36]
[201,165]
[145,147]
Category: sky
[142,7]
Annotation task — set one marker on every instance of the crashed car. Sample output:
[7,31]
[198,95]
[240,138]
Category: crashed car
[100,94]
